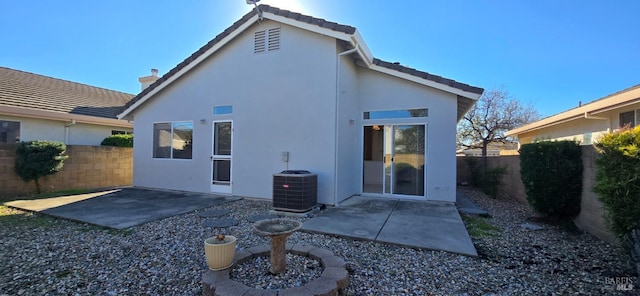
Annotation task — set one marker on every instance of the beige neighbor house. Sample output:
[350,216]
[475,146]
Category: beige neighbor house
[493,149]
[587,122]
[37,107]
[277,91]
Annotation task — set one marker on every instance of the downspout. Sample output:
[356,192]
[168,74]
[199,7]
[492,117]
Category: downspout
[335,146]
[66,131]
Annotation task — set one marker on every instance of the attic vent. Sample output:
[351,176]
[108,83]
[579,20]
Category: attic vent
[266,40]
[274,39]
[259,42]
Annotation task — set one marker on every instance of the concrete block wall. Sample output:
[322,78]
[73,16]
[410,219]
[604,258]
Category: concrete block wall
[592,214]
[87,167]
[511,182]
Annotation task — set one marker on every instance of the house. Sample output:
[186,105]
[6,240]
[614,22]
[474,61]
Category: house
[587,122]
[493,149]
[37,107]
[278,90]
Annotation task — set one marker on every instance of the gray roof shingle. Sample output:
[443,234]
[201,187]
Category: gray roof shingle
[427,76]
[28,90]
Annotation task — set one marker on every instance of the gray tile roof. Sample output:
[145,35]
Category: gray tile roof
[305,19]
[34,91]
[427,76]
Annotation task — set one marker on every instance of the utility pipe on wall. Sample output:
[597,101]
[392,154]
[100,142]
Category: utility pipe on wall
[66,131]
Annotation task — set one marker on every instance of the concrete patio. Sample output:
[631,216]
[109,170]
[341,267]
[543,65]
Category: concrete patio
[419,224]
[121,208]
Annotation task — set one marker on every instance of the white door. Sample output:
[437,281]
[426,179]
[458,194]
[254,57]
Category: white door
[221,157]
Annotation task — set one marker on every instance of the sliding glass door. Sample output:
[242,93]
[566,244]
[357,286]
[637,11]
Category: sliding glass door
[394,159]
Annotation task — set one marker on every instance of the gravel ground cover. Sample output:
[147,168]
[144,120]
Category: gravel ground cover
[46,256]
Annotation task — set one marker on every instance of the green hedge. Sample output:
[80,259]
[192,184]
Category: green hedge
[488,179]
[552,176]
[36,159]
[121,140]
[618,179]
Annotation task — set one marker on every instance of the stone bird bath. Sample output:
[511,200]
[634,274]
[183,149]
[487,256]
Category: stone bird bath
[278,230]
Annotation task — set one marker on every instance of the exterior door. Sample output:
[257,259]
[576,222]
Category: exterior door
[394,159]
[221,157]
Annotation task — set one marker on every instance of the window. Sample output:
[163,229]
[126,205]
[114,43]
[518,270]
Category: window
[630,118]
[220,110]
[266,40]
[173,140]
[9,131]
[396,114]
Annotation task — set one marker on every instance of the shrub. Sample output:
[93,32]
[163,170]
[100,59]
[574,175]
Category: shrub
[121,140]
[552,176]
[36,159]
[488,179]
[618,179]
[491,180]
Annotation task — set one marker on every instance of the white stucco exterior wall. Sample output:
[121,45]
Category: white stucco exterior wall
[379,91]
[282,101]
[302,99]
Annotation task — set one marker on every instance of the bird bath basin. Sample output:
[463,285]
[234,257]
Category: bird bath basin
[278,230]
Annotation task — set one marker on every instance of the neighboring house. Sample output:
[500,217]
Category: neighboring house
[586,122]
[36,107]
[279,90]
[493,149]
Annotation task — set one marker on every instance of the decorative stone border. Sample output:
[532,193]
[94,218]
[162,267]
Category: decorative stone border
[333,281]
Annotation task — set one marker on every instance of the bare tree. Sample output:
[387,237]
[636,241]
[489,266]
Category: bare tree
[495,113]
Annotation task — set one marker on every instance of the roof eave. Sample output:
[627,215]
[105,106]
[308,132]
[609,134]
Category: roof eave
[266,15]
[191,65]
[354,38]
[423,81]
[65,117]
[617,100]
[306,26]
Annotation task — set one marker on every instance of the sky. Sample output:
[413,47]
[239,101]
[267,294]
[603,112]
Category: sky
[548,53]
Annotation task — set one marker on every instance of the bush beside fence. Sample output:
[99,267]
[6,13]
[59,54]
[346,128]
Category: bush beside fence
[591,218]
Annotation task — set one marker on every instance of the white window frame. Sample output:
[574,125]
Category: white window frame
[219,187]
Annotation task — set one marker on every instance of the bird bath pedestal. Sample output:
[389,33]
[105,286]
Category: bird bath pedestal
[278,230]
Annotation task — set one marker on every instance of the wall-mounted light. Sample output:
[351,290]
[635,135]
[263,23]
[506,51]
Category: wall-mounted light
[203,121]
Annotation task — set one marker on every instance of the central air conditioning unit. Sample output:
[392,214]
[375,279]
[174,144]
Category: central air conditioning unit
[295,191]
